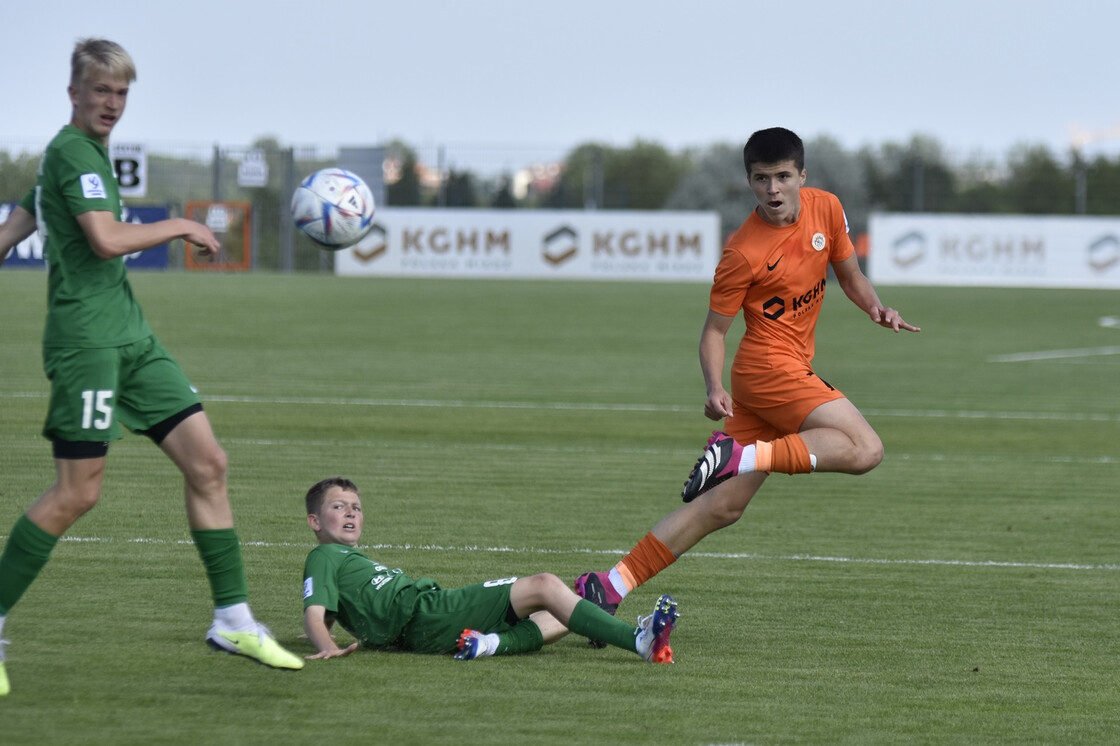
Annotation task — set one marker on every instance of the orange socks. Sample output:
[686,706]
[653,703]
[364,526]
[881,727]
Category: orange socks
[788,455]
[648,557]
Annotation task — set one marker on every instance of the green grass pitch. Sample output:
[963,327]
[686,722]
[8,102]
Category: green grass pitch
[964,592]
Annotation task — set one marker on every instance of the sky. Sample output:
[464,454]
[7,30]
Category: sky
[980,76]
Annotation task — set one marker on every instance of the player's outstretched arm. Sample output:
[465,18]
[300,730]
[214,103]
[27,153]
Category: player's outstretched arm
[19,225]
[860,291]
[315,625]
[111,238]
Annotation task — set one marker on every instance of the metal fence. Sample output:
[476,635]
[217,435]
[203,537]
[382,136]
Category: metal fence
[180,173]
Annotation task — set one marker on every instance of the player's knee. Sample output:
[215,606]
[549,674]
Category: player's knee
[72,500]
[543,587]
[868,456]
[82,500]
[725,516]
[548,583]
[722,511]
[210,468]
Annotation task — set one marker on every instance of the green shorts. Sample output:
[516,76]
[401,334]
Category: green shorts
[442,615]
[94,391]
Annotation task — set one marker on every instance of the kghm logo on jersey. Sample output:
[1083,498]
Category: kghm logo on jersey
[774,308]
[809,297]
[802,303]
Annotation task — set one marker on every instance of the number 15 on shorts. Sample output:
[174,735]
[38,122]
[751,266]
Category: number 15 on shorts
[97,409]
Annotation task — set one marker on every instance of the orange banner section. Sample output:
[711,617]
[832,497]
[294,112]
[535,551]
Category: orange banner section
[231,222]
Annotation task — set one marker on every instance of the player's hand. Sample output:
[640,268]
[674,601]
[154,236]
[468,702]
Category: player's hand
[335,653]
[718,405]
[891,319]
[202,237]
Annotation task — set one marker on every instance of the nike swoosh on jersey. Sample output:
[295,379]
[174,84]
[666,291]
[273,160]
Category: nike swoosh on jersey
[770,267]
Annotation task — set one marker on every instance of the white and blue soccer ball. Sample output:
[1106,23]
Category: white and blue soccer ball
[333,207]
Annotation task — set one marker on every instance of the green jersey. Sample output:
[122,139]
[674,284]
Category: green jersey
[371,601]
[89,300]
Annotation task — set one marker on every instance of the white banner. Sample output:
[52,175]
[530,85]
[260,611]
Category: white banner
[995,250]
[534,244]
[253,170]
[130,164]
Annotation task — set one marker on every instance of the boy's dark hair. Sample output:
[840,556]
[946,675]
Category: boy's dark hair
[315,495]
[774,145]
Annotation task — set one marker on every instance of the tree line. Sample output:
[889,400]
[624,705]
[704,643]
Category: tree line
[914,176]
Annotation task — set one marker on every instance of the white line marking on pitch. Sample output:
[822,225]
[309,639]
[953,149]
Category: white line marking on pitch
[1106,322]
[1021,357]
[383,444]
[570,406]
[617,552]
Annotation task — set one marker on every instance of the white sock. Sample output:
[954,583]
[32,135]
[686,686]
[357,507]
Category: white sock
[236,618]
[489,644]
[746,462]
[812,462]
[618,583]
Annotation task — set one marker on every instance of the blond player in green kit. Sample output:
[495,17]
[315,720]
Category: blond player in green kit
[105,366]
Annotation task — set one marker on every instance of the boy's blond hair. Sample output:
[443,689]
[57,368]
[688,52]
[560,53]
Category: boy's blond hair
[101,55]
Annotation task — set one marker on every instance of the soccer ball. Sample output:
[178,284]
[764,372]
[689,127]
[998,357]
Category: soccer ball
[333,207]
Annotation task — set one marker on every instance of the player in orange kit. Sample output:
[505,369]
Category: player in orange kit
[779,416]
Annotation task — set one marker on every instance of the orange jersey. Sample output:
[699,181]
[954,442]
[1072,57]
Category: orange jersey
[776,275]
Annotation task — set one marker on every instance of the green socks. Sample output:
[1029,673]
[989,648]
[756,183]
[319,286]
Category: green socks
[587,620]
[220,550]
[595,624]
[28,549]
[525,637]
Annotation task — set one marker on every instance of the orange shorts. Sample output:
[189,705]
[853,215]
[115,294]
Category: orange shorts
[770,402]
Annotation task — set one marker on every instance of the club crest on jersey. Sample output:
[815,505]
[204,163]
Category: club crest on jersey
[819,241]
[92,187]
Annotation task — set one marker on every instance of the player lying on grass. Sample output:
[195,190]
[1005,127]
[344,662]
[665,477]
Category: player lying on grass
[384,608]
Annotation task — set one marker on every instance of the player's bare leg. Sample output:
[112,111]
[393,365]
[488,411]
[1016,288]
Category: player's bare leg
[552,607]
[834,437]
[717,508]
[543,592]
[837,434]
[551,628]
[74,493]
[195,450]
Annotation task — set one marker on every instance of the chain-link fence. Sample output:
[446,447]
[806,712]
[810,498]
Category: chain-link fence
[175,175]
[265,175]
